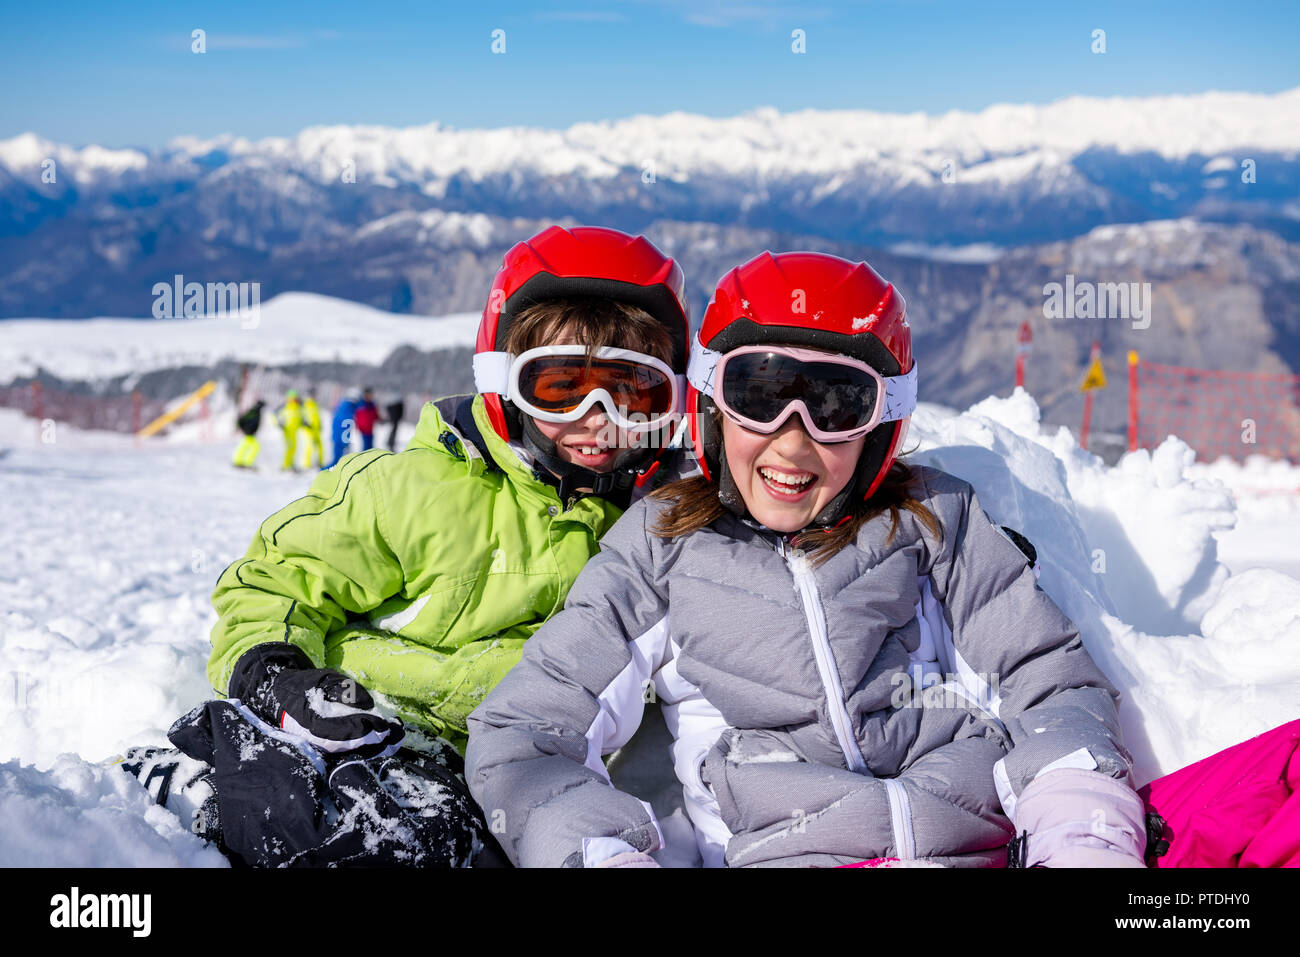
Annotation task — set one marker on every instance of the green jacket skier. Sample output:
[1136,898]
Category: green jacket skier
[420,574]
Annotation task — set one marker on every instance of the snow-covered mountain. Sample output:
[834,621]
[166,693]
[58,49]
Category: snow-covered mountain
[1003,143]
[87,230]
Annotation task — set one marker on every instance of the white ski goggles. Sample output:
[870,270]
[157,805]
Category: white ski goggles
[561,384]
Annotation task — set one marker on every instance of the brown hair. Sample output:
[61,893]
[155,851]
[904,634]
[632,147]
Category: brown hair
[695,505]
[593,322]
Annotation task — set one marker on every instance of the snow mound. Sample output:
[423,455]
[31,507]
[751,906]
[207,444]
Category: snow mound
[1203,658]
[78,814]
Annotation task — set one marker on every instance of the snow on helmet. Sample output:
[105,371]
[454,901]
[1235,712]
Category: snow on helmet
[582,261]
[820,302]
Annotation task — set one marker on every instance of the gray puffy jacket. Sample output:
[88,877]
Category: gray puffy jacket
[891,702]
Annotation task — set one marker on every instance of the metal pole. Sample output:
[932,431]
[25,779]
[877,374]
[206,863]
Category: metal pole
[1132,400]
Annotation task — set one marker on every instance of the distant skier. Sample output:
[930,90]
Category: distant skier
[249,422]
[290,419]
[311,425]
[366,417]
[343,426]
[394,410]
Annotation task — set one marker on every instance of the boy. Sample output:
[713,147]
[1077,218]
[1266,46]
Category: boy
[420,575]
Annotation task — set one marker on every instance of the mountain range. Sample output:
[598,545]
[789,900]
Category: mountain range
[970,214]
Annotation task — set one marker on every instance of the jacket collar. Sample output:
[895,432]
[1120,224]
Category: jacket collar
[483,450]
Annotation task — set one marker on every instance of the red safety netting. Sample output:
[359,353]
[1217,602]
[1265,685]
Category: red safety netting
[112,413]
[1217,413]
[129,413]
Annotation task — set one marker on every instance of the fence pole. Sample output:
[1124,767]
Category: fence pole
[36,408]
[1087,401]
[1087,420]
[1024,342]
[1132,400]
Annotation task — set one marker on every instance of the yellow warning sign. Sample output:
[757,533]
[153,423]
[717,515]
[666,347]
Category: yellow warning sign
[1095,378]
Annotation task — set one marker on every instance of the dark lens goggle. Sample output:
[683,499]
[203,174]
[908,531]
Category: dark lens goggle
[761,386]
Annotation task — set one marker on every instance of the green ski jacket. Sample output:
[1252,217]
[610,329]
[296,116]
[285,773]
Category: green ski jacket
[421,574]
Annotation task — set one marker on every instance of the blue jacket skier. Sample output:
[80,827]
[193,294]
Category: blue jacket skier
[343,426]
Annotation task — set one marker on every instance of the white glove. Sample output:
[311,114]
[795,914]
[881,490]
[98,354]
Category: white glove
[1079,818]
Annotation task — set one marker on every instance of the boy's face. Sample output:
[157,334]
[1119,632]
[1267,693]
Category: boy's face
[586,442]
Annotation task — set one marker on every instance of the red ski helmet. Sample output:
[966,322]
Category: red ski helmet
[820,302]
[582,261]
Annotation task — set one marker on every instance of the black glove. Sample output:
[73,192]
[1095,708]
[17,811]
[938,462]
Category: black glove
[329,710]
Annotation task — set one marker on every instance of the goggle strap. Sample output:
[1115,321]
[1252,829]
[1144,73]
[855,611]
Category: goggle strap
[703,363]
[900,395]
[492,372]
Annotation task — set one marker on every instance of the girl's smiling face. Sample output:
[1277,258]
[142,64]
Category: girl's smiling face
[786,478]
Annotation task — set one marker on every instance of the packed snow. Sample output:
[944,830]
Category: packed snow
[113,550]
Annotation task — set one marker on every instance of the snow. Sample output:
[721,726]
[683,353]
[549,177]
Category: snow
[1130,554]
[27,152]
[435,226]
[971,253]
[292,327]
[1002,143]
[113,550]
[76,814]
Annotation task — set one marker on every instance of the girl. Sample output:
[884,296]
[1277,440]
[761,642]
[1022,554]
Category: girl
[854,662]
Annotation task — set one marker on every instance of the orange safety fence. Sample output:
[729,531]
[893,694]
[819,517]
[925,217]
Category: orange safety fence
[1217,413]
[111,413]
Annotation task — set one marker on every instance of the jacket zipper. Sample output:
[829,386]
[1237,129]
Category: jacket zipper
[816,616]
[900,810]
[900,814]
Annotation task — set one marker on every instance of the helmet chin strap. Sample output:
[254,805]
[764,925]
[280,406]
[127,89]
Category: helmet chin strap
[838,507]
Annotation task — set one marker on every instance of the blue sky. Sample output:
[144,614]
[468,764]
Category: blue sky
[123,74]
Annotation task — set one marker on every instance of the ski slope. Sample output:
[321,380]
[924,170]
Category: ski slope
[113,549]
